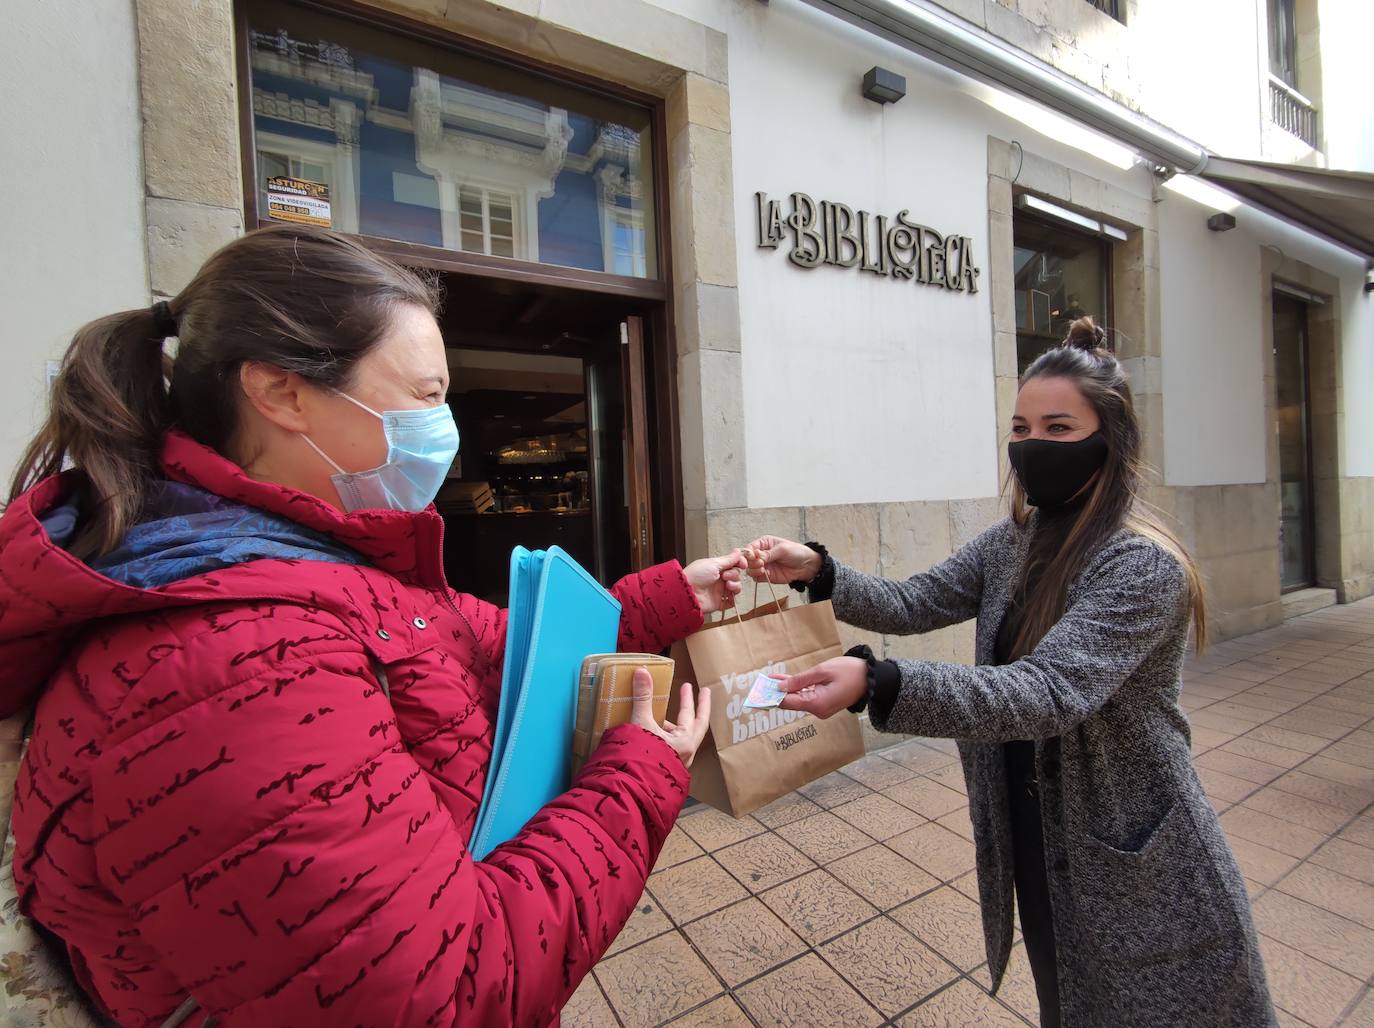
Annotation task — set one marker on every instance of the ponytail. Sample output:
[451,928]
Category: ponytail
[108,413]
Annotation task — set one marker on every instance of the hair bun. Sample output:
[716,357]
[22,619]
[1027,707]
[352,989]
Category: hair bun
[1086,334]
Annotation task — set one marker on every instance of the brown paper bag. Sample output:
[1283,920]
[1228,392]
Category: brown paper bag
[751,757]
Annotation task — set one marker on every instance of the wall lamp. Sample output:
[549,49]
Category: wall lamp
[1369,279]
[1221,222]
[1028,202]
[883,86]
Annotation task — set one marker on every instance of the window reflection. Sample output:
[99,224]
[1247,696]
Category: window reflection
[399,138]
[1060,275]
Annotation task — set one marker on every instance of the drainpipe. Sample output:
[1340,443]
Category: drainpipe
[970,52]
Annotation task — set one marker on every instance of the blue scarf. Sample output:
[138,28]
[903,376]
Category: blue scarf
[186,531]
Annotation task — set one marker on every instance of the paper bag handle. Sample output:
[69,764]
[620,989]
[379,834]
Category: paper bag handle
[753,659]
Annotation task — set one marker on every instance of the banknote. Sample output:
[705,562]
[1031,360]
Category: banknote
[764,692]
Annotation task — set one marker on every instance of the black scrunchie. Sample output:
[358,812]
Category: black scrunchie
[164,321]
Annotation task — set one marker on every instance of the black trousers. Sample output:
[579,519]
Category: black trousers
[1032,883]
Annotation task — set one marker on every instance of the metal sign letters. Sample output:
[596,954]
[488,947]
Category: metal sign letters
[833,233]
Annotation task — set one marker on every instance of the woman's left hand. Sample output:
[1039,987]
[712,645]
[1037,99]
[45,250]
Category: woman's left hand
[827,688]
[716,580]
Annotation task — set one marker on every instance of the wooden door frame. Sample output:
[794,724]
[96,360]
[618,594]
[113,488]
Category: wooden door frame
[639,498]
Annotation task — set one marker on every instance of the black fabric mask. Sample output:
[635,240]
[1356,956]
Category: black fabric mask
[1052,473]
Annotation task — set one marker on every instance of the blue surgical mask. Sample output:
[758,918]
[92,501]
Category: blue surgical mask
[421,445]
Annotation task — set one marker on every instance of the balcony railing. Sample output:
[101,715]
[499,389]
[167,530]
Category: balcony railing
[1292,111]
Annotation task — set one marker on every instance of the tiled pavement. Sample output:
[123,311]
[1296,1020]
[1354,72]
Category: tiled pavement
[852,902]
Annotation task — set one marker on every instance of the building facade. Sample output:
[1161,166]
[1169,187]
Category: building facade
[701,288]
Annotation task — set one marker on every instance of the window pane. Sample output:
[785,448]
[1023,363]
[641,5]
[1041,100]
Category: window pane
[531,153]
[1283,55]
[271,165]
[1060,275]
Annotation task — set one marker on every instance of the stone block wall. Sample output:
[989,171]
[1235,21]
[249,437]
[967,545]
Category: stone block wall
[1233,533]
[191,154]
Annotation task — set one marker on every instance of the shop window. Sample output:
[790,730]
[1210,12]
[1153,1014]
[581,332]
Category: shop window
[406,139]
[1061,274]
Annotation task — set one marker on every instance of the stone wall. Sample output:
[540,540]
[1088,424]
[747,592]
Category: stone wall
[1233,533]
[1357,539]
[1068,34]
[191,155]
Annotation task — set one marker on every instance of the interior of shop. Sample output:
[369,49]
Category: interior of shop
[539,393]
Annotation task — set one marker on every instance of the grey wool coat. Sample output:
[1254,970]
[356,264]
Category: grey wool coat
[1151,918]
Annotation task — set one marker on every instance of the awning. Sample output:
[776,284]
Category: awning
[1336,204]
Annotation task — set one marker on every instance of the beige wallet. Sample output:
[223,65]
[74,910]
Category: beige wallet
[605,696]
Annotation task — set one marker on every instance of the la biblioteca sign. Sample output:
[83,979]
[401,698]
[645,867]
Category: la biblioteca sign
[897,247]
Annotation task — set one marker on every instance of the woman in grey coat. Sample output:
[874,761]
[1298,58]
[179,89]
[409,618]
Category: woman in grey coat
[1082,792]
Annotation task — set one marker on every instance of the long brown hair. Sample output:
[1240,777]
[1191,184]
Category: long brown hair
[1113,501]
[306,300]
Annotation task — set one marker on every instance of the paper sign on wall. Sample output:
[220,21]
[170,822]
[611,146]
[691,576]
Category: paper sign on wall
[298,200]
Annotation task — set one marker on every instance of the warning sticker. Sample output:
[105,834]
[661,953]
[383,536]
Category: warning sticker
[298,200]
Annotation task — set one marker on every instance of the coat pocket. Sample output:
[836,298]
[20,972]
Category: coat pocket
[1153,903]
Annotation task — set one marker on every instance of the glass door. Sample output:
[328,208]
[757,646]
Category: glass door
[1297,544]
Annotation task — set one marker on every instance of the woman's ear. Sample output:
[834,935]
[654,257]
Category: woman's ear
[276,394]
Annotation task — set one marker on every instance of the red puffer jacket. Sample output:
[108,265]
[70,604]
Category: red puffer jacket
[220,799]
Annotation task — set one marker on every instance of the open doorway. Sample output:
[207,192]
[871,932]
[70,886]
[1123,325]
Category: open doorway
[552,392]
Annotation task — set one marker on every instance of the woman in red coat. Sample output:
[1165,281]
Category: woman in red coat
[265,720]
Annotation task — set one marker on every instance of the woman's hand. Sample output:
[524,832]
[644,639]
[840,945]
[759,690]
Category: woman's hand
[686,734]
[781,561]
[716,580]
[827,688]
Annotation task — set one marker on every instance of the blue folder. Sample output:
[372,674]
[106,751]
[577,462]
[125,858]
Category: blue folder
[558,614]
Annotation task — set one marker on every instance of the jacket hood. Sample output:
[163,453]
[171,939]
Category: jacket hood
[47,596]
